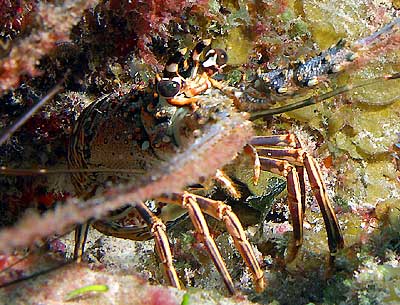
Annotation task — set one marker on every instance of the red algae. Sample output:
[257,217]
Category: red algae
[16,16]
[159,296]
[54,25]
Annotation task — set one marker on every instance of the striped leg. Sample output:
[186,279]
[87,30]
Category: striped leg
[190,203]
[81,232]
[277,154]
[157,231]
[163,249]
[217,209]
[285,169]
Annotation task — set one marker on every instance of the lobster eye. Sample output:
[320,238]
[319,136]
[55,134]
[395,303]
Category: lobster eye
[215,58]
[222,57]
[168,88]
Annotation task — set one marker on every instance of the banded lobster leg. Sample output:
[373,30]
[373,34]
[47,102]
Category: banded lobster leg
[196,205]
[283,155]
[158,230]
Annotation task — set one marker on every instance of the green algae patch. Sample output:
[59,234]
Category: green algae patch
[365,131]
[344,143]
[186,299]
[352,228]
[83,291]
[380,183]
[380,93]
[331,20]
[388,212]
[378,281]
[239,46]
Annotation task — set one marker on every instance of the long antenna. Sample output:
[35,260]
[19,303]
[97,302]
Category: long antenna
[31,276]
[23,118]
[42,171]
[318,98]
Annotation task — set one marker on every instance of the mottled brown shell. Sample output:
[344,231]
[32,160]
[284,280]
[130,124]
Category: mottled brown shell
[109,135]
